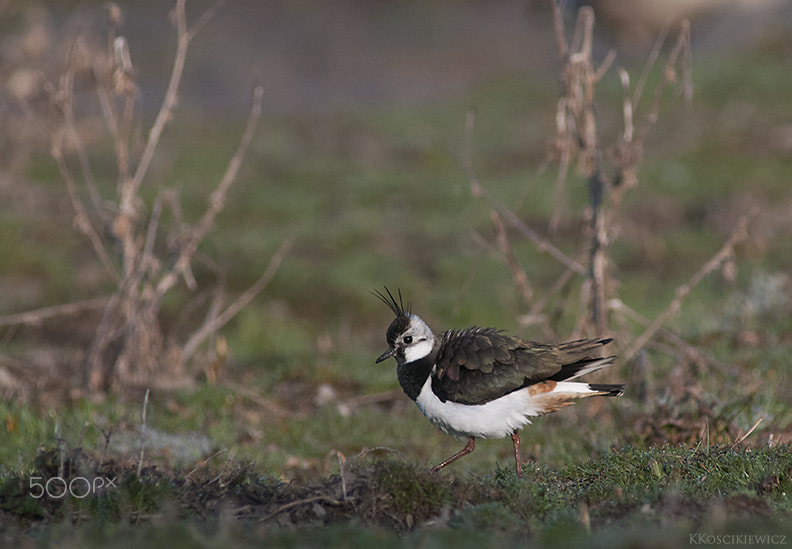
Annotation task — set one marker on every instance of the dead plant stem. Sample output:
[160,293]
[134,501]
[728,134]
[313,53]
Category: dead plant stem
[739,234]
[38,315]
[143,433]
[517,272]
[214,323]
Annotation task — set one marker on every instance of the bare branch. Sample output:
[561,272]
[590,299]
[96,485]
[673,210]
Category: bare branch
[583,316]
[38,315]
[129,188]
[477,190]
[740,233]
[577,127]
[583,26]
[62,99]
[467,147]
[216,200]
[108,113]
[565,145]
[151,233]
[627,107]
[206,16]
[681,49]
[183,37]
[599,253]
[673,339]
[217,322]
[81,218]
[391,395]
[82,155]
[535,315]
[649,65]
[558,28]
[606,64]
[105,332]
[542,244]
[270,406]
[518,274]
[687,62]
[147,257]
[143,433]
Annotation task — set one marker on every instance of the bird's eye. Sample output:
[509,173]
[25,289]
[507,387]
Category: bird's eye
[408,339]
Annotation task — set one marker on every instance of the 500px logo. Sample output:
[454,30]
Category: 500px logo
[77,487]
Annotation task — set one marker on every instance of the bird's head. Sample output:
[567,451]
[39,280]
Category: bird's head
[409,338]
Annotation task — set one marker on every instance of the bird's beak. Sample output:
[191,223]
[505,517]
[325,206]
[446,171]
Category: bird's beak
[386,355]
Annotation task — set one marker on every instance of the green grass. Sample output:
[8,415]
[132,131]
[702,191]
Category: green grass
[612,494]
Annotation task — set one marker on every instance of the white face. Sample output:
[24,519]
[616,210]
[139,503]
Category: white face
[417,340]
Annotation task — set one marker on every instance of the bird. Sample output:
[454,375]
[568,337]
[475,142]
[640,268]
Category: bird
[478,382]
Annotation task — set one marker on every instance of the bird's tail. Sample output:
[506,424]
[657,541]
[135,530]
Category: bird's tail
[582,367]
[549,396]
[607,389]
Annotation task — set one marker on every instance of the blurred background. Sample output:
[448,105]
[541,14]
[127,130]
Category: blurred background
[359,159]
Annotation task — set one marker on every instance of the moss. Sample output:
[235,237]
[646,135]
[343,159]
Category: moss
[416,495]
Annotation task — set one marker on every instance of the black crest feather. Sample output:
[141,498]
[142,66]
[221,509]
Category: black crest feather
[398,307]
[402,312]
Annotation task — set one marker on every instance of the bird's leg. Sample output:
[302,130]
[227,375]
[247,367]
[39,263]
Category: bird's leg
[463,452]
[517,457]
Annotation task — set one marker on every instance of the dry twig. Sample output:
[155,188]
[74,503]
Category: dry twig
[739,440]
[216,201]
[518,274]
[143,433]
[542,244]
[297,503]
[216,321]
[739,234]
[37,316]
[270,406]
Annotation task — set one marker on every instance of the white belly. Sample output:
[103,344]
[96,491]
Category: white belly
[495,419]
[500,417]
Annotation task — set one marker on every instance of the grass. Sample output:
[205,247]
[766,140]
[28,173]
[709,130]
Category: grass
[614,493]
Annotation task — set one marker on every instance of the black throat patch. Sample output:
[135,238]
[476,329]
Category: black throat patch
[413,375]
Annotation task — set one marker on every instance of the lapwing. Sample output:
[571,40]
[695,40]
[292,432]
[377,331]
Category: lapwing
[481,383]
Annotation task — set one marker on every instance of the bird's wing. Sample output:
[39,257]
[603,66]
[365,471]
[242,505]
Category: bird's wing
[480,364]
